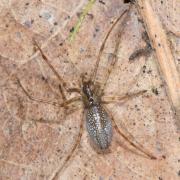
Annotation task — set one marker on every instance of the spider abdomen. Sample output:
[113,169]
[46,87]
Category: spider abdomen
[99,126]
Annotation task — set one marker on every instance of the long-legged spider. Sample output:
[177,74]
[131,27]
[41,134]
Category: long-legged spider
[99,121]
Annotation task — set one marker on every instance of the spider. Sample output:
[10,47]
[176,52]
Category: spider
[99,121]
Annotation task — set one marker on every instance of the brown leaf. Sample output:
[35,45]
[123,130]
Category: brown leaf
[36,138]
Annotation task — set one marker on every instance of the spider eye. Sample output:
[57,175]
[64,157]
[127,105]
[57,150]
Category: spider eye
[91,100]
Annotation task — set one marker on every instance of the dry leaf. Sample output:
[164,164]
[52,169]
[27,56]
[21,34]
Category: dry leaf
[33,149]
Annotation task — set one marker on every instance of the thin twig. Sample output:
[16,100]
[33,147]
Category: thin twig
[164,54]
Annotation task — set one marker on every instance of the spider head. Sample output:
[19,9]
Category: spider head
[88,93]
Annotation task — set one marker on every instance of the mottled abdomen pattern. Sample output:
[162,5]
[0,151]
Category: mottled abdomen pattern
[99,126]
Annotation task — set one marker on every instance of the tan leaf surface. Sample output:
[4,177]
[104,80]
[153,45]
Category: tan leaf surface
[32,149]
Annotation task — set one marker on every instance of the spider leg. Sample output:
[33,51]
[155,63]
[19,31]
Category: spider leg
[70,111]
[64,98]
[137,146]
[34,98]
[65,103]
[44,57]
[126,97]
[70,155]
[77,90]
[130,140]
[62,93]
[93,75]
[62,85]
[113,56]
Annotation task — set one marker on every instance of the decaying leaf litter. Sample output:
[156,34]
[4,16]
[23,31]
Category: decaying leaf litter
[37,111]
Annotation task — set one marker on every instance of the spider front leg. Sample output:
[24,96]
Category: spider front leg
[46,60]
[112,58]
[62,84]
